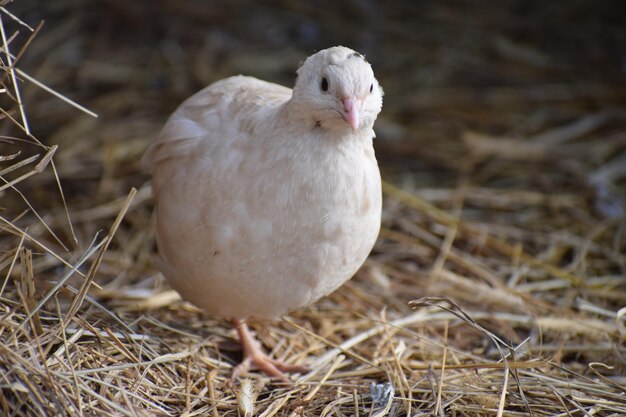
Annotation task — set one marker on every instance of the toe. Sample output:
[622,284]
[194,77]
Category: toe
[242,368]
[289,368]
[270,368]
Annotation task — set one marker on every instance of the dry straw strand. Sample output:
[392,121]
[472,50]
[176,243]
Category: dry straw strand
[504,176]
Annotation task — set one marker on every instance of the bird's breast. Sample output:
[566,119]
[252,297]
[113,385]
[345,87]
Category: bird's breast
[272,230]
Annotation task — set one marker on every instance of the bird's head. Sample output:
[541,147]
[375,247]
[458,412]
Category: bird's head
[337,89]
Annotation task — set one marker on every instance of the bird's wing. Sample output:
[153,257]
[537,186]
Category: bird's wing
[224,110]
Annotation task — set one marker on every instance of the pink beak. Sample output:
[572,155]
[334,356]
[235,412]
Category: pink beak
[351,112]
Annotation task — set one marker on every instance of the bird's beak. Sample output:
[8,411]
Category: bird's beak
[351,109]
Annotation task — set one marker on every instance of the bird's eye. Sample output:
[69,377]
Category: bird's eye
[371,88]
[324,85]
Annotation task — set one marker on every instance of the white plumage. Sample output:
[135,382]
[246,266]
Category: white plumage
[269,198]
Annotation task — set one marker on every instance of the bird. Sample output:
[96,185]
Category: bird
[268,198]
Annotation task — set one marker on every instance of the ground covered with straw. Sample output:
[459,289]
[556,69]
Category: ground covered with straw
[497,286]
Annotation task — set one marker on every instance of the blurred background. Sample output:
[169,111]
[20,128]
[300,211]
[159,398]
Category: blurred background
[509,112]
[511,68]
[505,121]
[514,108]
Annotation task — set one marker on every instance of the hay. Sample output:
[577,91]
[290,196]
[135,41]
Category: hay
[497,286]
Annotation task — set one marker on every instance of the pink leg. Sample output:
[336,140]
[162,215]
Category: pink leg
[253,356]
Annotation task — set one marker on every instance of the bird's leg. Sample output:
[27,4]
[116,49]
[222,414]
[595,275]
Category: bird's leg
[253,356]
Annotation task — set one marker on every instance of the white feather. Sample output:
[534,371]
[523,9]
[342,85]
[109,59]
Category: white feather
[266,199]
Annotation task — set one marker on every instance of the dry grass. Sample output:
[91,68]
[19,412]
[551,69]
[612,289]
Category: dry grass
[498,284]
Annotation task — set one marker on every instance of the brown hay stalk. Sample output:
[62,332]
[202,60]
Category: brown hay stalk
[497,285]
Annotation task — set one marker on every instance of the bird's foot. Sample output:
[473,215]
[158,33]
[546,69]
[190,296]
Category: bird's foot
[271,367]
[255,358]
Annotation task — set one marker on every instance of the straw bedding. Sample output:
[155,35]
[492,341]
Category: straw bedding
[497,286]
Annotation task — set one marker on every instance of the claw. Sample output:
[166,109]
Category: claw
[255,358]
